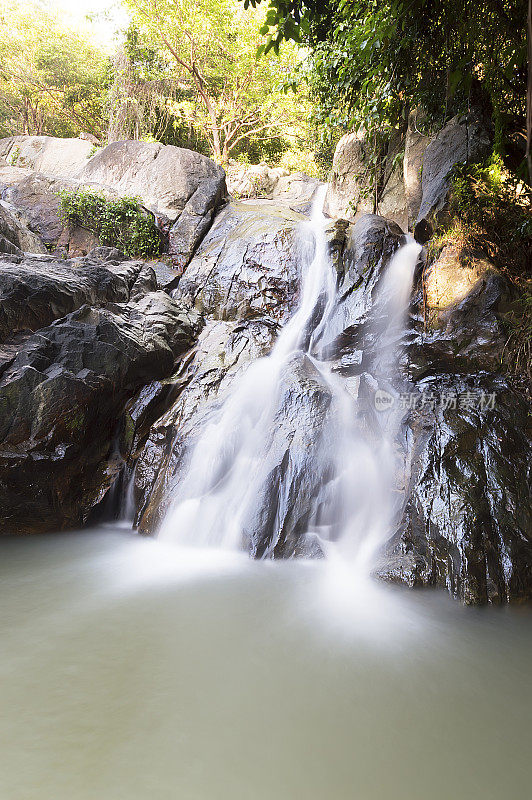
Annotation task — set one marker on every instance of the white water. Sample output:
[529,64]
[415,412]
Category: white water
[227,467]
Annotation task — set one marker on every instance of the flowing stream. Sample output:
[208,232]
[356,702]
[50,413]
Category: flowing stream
[228,469]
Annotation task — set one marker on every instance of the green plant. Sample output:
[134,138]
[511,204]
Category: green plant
[94,149]
[120,222]
[14,156]
[518,324]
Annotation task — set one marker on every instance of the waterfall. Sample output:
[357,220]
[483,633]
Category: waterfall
[226,471]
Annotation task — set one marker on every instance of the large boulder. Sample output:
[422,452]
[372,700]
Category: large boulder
[49,155]
[36,197]
[392,202]
[349,193]
[14,231]
[248,264]
[35,291]
[63,390]
[415,145]
[222,354]
[465,139]
[255,180]
[270,183]
[163,176]
[467,522]
[183,188]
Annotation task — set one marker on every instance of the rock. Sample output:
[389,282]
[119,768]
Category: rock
[349,194]
[49,155]
[77,241]
[367,248]
[13,228]
[194,221]
[223,351]
[37,198]
[297,189]
[260,180]
[164,177]
[167,277]
[463,140]
[62,397]
[464,298]
[415,145]
[467,523]
[35,291]
[248,264]
[392,201]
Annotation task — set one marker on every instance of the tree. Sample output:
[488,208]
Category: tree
[52,78]
[373,60]
[210,48]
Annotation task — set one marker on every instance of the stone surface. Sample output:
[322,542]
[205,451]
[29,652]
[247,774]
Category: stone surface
[247,264]
[349,193]
[13,227]
[393,201]
[415,145]
[62,397]
[464,139]
[37,198]
[35,291]
[163,176]
[49,155]
[223,351]
[260,180]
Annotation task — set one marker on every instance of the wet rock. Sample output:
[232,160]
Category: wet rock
[464,299]
[36,290]
[369,245]
[223,352]
[465,139]
[467,522]
[248,264]
[62,398]
[292,488]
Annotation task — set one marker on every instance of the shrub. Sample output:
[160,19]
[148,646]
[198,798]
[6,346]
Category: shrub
[301,161]
[121,222]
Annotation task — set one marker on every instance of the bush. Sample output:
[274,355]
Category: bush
[120,222]
[301,161]
[490,215]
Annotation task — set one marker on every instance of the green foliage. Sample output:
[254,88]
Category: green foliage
[52,78]
[120,222]
[373,60]
[490,214]
[206,49]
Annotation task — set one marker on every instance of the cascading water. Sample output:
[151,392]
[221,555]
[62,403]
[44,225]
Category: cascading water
[228,468]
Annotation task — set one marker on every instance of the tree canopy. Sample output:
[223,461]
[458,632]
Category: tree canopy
[373,60]
[209,48]
[51,76]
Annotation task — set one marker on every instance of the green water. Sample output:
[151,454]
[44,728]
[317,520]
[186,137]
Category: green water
[134,671]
